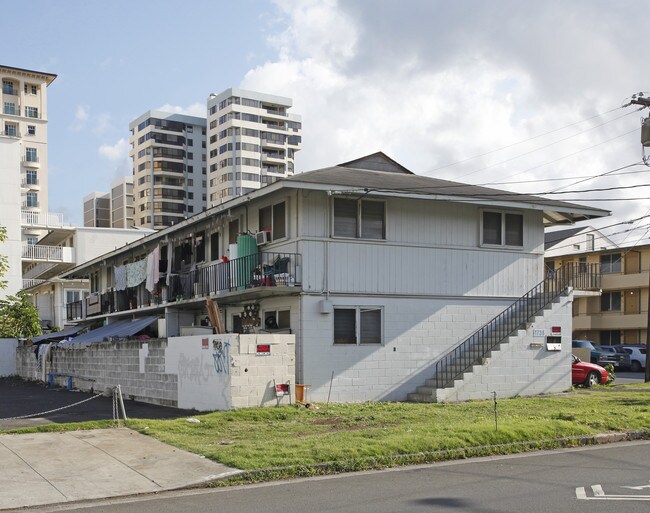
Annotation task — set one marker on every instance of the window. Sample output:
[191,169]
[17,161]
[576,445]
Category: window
[31,240]
[8,87]
[31,155]
[358,325]
[610,302]
[364,219]
[31,129]
[31,199]
[276,319]
[610,263]
[72,295]
[31,112]
[502,229]
[31,178]
[273,220]
[11,130]
[610,338]
[189,129]
[190,155]
[10,108]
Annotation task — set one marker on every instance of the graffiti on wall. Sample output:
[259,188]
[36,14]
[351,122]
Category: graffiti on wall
[193,369]
[221,356]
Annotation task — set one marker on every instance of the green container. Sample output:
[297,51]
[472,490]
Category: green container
[246,259]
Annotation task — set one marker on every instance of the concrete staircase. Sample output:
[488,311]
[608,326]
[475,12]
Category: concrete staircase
[463,373]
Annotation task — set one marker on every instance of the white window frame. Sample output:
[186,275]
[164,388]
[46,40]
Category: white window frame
[275,312]
[357,324]
[272,206]
[503,214]
[359,219]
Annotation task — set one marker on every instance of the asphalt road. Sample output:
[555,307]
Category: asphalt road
[623,377]
[595,479]
[19,398]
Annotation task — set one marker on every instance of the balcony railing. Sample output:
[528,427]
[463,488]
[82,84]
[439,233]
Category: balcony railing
[47,253]
[10,90]
[31,204]
[11,111]
[32,282]
[10,133]
[42,219]
[258,271]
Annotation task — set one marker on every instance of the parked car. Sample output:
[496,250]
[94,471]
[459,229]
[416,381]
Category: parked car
[625,360]
[637,356]
[587,374]
[600,356]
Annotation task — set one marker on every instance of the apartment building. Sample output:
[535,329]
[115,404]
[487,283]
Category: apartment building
[168,151]
[618,314]
[97,210]
[252,142]
[110,209]
[23,159]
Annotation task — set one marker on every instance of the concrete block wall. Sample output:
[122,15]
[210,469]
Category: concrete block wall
[415,332]
[253,375]
[523,366]
[204,373]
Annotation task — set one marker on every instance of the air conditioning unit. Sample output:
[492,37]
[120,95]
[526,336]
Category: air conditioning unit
[262,238]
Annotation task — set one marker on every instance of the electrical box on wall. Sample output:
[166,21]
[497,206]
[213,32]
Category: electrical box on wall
[326,306]
[553,343]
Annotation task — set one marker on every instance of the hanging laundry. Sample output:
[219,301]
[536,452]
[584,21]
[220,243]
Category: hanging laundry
[119,274]
[136,273]
[153,273]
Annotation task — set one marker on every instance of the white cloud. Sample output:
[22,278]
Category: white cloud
[116,152]
[438,82]
[195,109]
[81,115]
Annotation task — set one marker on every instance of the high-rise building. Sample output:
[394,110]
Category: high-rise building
[121,203]
[176,146]
[252,141]
[23,163]
[97,210]
[110,209]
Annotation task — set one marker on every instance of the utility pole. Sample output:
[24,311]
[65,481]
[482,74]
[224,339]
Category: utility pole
[639,99]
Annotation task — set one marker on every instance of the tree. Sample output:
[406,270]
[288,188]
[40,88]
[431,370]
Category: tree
[18,317]
[4,261]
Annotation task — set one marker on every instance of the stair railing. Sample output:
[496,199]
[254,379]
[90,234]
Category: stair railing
[474,348]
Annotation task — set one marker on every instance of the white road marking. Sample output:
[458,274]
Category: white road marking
[598,490]
[581,493]
[637,487]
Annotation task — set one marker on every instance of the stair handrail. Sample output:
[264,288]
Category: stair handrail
[555,283]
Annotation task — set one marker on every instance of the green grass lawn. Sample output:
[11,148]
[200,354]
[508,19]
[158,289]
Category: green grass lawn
[340,437]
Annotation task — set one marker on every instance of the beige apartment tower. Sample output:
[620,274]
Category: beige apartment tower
[252,142]
[168,151]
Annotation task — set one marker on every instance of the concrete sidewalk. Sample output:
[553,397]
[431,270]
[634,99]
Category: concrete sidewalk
[47,468]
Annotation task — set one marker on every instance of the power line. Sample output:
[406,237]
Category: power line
[526,140]
[552,144]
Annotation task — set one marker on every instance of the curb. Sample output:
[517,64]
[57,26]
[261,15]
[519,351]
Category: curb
[338,467]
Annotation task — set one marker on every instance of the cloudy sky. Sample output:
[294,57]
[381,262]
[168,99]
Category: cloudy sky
[524,96]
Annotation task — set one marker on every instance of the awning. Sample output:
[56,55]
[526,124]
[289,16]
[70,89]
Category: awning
[68,332]
[123,328]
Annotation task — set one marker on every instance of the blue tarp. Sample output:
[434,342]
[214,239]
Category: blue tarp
[68,332]
[123,328]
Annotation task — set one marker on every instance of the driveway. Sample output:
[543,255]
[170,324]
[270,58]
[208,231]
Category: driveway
[48,468]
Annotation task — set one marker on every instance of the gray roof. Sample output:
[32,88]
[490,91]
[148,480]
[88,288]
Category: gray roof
[552,239]
[379,173]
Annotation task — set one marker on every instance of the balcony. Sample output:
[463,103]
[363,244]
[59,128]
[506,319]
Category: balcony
[248,277]
[30,161]
[31,204]
[37,253]
[618,281]
[11,110]
[610,321]
[11,133]
[30,183]
[32,282]
[43,220]
[10,90]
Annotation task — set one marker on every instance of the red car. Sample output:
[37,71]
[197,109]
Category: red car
[587,374]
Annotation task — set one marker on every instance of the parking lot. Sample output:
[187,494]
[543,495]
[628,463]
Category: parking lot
[19,398]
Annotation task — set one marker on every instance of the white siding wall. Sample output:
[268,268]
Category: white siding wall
[415,332]
[431,248]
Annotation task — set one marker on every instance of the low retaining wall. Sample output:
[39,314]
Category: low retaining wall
[216,372]
[8,356]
